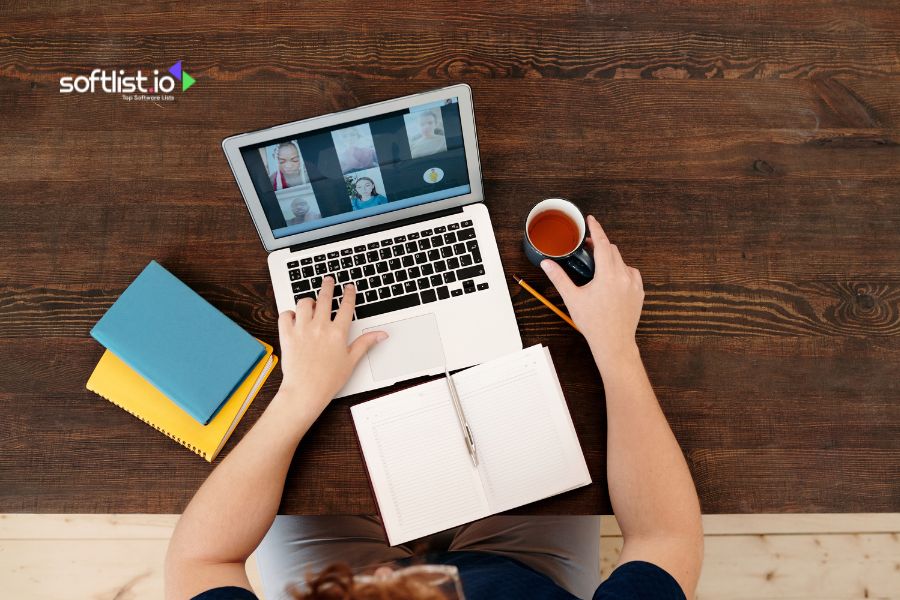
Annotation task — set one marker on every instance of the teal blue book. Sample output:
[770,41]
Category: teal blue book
[179,342]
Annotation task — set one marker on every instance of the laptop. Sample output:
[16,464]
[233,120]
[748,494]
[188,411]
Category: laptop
[387,196]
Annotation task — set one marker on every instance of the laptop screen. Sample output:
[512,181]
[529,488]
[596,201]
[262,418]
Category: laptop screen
[361,168]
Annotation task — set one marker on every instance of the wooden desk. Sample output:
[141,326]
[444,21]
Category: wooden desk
[745,157]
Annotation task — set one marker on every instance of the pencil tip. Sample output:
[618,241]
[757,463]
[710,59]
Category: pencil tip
[516,277]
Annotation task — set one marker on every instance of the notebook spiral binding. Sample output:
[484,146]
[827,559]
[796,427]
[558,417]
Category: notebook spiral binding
[187,445]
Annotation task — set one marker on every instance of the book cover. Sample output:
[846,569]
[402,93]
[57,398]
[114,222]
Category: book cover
[117,382]
[178,342]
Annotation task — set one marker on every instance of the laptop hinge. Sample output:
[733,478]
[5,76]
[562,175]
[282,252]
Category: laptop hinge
[376,228]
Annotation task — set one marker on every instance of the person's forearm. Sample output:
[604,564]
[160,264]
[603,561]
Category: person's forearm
[650,486]
[235,506]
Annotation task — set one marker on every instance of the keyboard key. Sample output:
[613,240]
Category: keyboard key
[384,292]
[346,251]
[427,269]
[413,236]
[293,264]
[436,280]
[355,273]
[306,261]
[346,262]
[386,242]
[429,296]
[334,265]
[468,286]
[467,223]
[452,226]
[472,245]
[427,233]
[385,253]
[423,283]
[316,282]
[394,264]
[399,239]
[337,292]
[397,289]
[295,275]
[399,250]
[375,281]
[334,305]
[449,277]
[434,255]
[333,254]
[414,272]
[437,241]
[408,261]
[443,293]
[424,244]
[360,248]
[446,252]
[381,267]
[410,246]
[400,275]
[369,270]
[420,258]
[372,245]
[465,234]
[362,284]
[450,238]
[409,287]
[476,256]
[360,298]
[440,266]
[307,271]
[321,268]
[465,260]
[359,259]
[300,297]
[441,229]
[371,296]
[482,286]
[372,256]
[456,293]
[453,263]
[459,248]
[387,279]
[300,286]
[343,277]
[469,272]
[379,308]
[319,257]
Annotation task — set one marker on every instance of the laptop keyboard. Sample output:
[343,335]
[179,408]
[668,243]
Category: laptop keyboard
[397,272]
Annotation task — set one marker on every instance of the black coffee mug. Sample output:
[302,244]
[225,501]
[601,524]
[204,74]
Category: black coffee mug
[578,262]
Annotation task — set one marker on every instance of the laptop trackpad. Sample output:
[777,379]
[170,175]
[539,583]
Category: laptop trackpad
[414,347]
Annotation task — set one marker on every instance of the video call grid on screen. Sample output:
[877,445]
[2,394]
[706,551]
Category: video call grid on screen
[360,168]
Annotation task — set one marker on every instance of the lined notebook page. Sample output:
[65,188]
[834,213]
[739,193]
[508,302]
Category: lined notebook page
[527,446]
[420,469]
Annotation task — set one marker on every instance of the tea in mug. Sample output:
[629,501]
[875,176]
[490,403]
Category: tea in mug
[554,233]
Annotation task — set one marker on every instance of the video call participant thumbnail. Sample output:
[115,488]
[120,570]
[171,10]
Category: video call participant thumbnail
[426,133]
[286,166]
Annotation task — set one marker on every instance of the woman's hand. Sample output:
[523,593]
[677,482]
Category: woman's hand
[607,308]
[315,358]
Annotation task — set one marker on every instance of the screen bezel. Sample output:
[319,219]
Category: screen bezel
[232,147]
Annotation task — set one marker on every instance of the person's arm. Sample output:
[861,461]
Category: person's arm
[650,486]
[232,511]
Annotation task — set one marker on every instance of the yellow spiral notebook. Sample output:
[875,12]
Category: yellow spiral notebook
[117,382]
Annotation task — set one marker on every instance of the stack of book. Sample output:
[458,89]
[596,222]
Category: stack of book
[177,363]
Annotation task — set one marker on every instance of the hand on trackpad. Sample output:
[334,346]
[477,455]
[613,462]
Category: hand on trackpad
[414,347]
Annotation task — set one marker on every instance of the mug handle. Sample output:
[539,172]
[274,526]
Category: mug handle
[579,265]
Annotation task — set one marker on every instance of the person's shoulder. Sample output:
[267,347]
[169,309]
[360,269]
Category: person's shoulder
[639,580]
[226,593]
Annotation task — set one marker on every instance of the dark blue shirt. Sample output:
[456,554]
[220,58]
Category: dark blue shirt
[490,576]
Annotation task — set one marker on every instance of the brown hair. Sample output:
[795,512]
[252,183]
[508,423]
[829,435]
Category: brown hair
[336,583]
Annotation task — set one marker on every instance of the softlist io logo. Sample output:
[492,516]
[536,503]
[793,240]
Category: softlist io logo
[116,82]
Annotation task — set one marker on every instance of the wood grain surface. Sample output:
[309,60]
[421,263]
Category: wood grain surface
[744,156]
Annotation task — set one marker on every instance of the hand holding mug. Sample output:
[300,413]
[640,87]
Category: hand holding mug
[607,308]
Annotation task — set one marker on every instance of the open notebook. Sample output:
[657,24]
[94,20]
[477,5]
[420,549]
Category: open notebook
[423,477]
